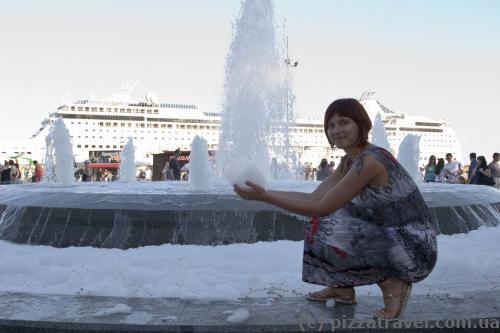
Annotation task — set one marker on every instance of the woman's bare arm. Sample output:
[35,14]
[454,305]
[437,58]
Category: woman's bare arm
[367,170]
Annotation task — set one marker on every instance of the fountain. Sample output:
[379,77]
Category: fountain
[257,106]
[379,136]
[127,165]
[409,155]
[200,170]
[59,163]
[131,214]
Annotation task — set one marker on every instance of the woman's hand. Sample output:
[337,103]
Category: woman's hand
[254,192]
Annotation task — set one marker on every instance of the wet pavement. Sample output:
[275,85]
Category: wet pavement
[62,313]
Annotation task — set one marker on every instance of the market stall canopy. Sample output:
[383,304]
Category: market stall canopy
[104,165]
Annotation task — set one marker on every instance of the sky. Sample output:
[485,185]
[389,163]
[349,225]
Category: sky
[438,59]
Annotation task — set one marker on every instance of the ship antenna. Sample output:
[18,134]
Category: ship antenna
[128,86]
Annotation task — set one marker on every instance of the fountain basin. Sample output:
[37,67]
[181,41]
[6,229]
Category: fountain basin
[127,215]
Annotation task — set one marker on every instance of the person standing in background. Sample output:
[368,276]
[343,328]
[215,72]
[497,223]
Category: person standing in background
[38,172]
[323,171]
[429,175]
[471,179]
[494,167]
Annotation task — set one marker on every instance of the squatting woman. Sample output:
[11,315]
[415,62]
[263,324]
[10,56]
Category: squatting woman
[369,223]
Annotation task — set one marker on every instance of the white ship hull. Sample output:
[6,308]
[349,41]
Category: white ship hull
[101,128]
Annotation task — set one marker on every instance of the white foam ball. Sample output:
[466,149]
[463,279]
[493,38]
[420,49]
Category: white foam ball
[330,303]
[237,171]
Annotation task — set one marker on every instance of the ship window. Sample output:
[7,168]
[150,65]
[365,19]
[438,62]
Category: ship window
[80,108]
[107,146]
[78,146]
[122,110]
[72,108]
[93,146]
[108,109]
[169,126]
[129,111]
[86,146]
[183,126]
[189,127]
[155,111]
[100,146]
[101,109]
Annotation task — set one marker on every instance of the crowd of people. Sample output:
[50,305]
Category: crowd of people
[479,172]
[439,170]
[12,173]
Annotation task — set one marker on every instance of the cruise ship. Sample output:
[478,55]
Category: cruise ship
[100,128]
[437,137]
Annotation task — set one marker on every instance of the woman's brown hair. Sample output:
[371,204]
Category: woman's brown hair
[350,108]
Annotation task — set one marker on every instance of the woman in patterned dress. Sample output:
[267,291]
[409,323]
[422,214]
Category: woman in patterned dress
[369,223]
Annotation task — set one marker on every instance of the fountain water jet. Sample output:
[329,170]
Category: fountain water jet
[257,91]
[127,164]
[379,134]
[59,160]
[409,155]
[200,170]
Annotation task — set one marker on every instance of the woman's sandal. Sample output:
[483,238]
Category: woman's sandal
[394,314]
[329,294]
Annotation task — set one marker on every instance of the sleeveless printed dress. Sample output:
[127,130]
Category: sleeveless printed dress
[384,231]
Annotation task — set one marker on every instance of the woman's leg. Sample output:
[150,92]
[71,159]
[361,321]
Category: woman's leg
[396,293]
[339,294]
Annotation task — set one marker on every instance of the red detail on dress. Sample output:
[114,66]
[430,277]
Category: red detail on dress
[341,253]
[310,233]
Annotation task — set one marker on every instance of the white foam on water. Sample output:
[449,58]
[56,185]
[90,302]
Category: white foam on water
[231,272]
[239,170]
[237,316]
[116,309]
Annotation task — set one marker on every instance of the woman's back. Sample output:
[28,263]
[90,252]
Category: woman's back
[395,203]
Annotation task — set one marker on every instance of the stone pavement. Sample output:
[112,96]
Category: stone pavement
[464,312]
